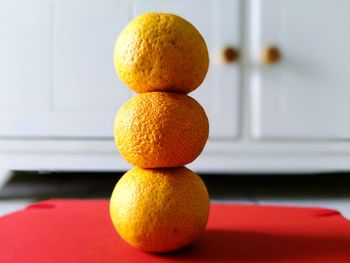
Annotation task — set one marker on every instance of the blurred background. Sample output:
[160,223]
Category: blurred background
[276,94]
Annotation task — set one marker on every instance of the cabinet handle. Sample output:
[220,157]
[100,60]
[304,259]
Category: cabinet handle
[271,55]
[230,54]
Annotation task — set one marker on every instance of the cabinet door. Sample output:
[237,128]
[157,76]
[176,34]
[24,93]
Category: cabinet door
[306,94]
[219,23]
[25,61]
[85,82]
[57,75]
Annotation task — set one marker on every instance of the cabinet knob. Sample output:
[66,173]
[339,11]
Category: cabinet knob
[271,55]
[230,54]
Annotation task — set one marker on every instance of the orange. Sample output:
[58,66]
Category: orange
[160,129]
[161,52]
[160,210]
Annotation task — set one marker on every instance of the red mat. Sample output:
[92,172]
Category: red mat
[81,232]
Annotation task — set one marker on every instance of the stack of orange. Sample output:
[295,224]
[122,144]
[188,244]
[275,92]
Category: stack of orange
[160,205]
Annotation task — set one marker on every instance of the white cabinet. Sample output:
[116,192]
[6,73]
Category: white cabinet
[25,59]
[85,83]
[59,92]
[67,87]
[57,75]
[219,21]
[306,94]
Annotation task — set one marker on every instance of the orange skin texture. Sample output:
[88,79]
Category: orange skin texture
[161,129]
[160,205]
[160,210]
[161,52]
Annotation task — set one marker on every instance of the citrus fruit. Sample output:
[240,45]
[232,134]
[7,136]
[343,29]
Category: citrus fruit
[161,52]
[160,129]
[160,210]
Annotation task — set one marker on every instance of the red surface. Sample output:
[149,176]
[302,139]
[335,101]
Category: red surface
[81,232]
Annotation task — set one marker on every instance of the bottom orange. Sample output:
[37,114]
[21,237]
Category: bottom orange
[160,210]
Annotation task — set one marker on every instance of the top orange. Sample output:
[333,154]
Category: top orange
[161,52]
